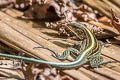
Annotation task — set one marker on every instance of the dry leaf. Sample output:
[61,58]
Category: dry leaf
[115,21]
[6,2]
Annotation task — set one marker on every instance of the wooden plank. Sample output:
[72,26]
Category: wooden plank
[16,24]
[103,6]
[24,29]
[113,75]
[112,51]
[112,6]
[93,75]
[98,5]
[117,2]
[113,66]
[15,38]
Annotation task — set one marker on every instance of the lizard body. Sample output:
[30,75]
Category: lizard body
[89,51]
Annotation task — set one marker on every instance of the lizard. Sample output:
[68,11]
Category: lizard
[89,51]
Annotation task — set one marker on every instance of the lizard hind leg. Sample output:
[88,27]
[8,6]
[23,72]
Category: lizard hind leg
[70,51]
[96,61]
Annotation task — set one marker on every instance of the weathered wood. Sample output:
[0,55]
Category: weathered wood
[104,6]
[92,75]
[24,41]
[114,66]
[117,2]
[112,51]
[111,74]
[35,38]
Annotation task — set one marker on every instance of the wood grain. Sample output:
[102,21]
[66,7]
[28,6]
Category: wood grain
[23,36]
[105,6]
[24,41]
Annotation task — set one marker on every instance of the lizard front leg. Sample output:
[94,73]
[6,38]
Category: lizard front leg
[73,51]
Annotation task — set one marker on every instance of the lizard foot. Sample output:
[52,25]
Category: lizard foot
[96,61]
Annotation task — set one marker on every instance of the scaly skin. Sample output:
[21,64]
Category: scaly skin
[89,51]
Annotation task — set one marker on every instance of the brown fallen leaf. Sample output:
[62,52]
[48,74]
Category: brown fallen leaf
[28,73]
[115,21]
[6,3]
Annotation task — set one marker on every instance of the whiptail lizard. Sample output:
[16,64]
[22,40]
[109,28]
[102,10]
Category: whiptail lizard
[88,51]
